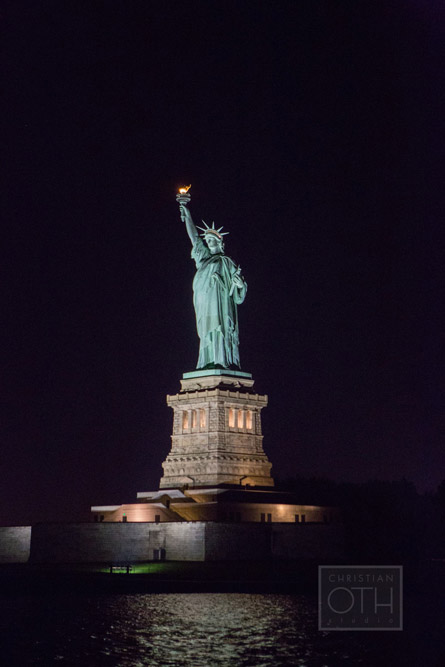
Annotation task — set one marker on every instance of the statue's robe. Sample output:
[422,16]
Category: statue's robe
[215,298]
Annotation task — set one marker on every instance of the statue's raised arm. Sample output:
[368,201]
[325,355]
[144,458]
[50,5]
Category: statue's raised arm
[189,224]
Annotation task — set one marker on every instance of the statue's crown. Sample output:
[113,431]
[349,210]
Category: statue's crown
[212,230]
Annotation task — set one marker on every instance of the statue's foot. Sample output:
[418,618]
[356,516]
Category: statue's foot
[209,367]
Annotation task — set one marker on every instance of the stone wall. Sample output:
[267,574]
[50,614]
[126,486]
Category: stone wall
[237,541]
[274,541]
[192,541]
[116,542]
[15,544]
[322,542]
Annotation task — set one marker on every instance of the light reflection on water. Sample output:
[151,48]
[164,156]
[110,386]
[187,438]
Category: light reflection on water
[201,630]
[220,629]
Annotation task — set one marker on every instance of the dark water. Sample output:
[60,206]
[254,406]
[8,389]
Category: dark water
[201,630]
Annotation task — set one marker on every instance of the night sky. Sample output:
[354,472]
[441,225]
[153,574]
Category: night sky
[314,132]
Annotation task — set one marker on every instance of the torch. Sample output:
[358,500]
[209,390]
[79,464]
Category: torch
[183,197]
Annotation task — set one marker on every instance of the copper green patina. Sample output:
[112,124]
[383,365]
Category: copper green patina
[218,288]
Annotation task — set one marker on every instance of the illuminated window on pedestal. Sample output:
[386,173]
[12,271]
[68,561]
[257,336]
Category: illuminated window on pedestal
[231,418]
[240,418]
[185,419]
[202,418]
[249,419]
[194,421]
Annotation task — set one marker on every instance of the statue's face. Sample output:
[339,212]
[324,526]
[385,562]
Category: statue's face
[214,243]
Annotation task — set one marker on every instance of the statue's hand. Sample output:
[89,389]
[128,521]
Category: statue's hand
[185,213]
[237,278]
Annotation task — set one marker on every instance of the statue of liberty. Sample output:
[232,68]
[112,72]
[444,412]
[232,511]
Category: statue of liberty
[218,288]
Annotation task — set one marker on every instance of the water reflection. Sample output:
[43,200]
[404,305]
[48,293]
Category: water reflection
[221,629]
[172,630]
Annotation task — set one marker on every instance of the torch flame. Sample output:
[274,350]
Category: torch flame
[183,191]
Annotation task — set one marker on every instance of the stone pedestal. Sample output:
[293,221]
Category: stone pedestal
[217,436]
